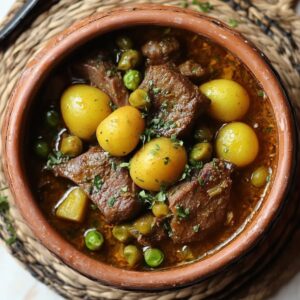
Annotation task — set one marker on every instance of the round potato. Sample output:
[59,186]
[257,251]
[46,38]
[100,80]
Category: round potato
[159,163]
[229,100]
[120,132]
[237,143]
[83,107]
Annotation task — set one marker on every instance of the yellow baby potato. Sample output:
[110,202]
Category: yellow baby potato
[229,100]
[160,162]
[120,132]
[237,142]
[74,206]
[83,107]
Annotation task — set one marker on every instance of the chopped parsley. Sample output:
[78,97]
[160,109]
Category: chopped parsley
[149,198]
[161,196]
[233,23]
[56,158]
[113,165]
[176,143]
[158,124]
[196,228]
[156,90]
[97,184]
[201,181]
[181,212]
[190,168]
[124,165]
[203,6]
[155,150]
[146,197]
[111,201]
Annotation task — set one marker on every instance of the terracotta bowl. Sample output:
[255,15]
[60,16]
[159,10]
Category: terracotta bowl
[84,31]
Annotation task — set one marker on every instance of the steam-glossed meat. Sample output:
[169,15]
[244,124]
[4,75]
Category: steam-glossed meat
[114,194]
[200,205]
[103,74]
[192,69]
[176,102]
[159,51]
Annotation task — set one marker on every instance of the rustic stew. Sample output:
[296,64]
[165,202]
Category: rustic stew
[152,147]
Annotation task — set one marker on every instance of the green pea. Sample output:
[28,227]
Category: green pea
[153,257]
[52,118]
[93,239]
[160,209]
[122,233]
[129,59]
[144,224]
[42,149]
[203,134]
[124,42]
[259,176]
[71,145]
[132,79]
[132,255]
[139,99]
[201,152]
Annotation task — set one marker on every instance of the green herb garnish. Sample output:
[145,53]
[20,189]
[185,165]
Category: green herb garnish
[181,212]
[111,201]
[124,165]
[56,158]
[201,182]
[176,143]
[97,184]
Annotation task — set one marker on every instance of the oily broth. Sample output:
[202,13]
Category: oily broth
[245,198]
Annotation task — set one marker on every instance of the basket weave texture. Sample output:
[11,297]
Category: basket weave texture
[273,27]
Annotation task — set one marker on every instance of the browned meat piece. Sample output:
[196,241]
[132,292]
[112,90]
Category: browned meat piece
[104,75]
[192,69]
[176,102]
[160,51]
[109,186]
[200,205]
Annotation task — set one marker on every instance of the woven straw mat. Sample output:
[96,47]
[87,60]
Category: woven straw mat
[272,25]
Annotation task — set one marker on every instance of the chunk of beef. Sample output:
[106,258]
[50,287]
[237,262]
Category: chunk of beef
[200,205]
[192,69]
[108,186]
[103,74]
[176,102]
[159,51]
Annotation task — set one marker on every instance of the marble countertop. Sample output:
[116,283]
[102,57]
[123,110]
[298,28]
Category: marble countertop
[17,284]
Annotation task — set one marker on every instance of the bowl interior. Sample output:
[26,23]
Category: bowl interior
[64,45]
